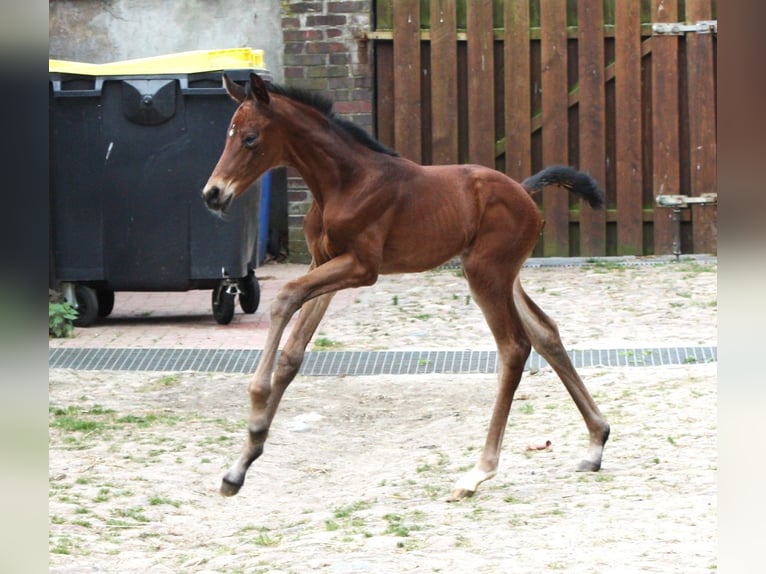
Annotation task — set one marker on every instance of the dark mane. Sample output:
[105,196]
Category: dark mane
[324,105]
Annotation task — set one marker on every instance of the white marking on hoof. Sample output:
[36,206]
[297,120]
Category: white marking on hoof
[469,483]
[592,462]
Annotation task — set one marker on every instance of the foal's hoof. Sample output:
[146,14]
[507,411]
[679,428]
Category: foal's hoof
[229,488]
[460,494]
[588,466]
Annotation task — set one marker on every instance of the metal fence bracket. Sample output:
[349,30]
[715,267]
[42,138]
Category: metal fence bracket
[681,28]
[679,202]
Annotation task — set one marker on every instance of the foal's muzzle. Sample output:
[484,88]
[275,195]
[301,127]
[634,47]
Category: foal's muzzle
[216,198]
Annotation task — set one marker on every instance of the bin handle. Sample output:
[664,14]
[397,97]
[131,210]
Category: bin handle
[60,93]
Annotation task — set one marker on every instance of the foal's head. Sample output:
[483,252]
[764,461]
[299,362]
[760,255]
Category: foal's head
[246,156]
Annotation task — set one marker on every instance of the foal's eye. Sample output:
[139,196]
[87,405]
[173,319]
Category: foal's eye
[250,140]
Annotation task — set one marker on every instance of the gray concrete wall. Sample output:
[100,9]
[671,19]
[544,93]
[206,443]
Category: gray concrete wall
[99,31]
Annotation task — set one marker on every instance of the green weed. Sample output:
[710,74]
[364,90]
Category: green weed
[324,343]
[159,500]
[527,408]
[60,318]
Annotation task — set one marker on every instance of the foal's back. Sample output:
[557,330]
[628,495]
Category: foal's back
[441,212]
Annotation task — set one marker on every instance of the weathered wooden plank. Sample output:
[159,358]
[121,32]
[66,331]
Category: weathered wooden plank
[665,139]
[444,102]
[384,14]
[384,94]
[481,95]
[628,128]
[702,126]
[407,117]
[553,21]
[592,119]
[518,102]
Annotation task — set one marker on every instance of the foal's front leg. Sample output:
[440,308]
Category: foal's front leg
[263,407]
[315,289]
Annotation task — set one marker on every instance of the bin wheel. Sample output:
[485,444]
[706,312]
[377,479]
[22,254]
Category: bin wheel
[250,297]
[223,305]
[87,306]
[105,302]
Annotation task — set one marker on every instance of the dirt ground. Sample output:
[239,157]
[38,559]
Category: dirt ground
[356,469]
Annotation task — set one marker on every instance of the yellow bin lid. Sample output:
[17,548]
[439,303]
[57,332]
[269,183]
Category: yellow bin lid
[179,63]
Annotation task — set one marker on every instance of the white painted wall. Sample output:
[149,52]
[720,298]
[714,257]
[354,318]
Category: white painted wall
[99,31]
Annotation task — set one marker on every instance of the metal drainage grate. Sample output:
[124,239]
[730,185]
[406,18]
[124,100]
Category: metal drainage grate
[358,363]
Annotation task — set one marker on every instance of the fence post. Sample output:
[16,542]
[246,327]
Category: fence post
[553,31]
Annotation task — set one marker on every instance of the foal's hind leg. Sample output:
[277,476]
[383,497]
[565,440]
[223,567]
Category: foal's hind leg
[544,335]
[264,402]
[492,292]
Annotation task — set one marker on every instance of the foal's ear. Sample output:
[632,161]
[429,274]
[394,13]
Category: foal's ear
[235,91]
[258,88]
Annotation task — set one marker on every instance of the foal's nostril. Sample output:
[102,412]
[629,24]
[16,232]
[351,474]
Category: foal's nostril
[212,193]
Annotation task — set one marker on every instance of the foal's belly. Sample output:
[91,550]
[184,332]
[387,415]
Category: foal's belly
[425,244]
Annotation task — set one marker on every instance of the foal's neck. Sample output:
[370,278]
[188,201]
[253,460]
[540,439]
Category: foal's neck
[326,159]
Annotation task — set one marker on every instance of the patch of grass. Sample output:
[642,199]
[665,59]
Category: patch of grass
[604,265]
[265,539]
[604,477]
[75,419]
[692,266]
[396,525]
[527,408]
[437,465]
[64,545]
[75,424]
[163,382]
[432,492]
[461,541]
[159,500]
[346,511]
[324,343]
[103,495]
[99,419]
[145,420]
[344,518]
[135,513]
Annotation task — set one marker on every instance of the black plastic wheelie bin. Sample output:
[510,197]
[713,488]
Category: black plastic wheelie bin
[132,144]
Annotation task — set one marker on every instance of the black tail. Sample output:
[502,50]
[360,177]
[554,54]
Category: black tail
[578,182]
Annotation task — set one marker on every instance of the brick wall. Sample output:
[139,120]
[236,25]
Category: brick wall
[326,50]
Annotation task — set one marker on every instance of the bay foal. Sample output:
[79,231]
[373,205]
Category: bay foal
[375,212]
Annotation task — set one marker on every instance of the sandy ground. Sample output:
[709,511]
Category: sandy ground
[595,307]
[356,469]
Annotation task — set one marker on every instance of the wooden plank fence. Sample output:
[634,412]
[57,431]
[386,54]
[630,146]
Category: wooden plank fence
[522,84]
